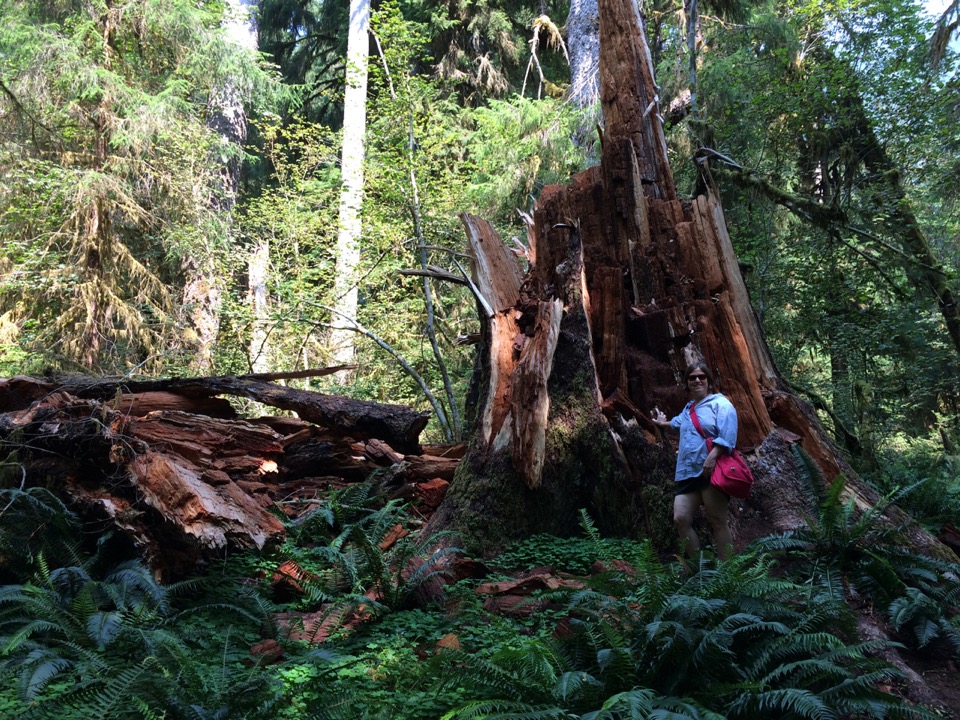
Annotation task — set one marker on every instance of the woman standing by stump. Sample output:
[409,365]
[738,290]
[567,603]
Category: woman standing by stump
[718,420]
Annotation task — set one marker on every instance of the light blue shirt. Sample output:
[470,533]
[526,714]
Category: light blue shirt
[718,418]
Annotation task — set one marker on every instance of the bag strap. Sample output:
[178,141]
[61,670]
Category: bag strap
[696,421]
[696,424]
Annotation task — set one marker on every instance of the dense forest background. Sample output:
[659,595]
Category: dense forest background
[171,196]
[184,190]
[172,186]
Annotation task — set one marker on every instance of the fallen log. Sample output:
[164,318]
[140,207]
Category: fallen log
[172,467]
[398,425]
[177,484]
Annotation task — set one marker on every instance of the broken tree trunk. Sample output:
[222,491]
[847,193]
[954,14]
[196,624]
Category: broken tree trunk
[627,285]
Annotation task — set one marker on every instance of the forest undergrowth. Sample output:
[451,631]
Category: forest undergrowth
[87,631]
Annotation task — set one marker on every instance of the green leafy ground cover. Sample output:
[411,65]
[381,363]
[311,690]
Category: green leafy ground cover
[771,633]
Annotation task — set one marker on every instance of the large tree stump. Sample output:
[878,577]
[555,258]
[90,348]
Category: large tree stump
[627,285]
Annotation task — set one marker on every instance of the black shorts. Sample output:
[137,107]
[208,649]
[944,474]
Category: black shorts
[690,485]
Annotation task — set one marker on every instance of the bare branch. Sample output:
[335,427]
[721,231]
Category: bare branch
[296,374]
[476,291]
[355,326]
[436,273]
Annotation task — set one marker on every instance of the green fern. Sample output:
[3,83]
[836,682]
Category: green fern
[593,536]
[814,483]
[114,697]
[499,710]
[924,618]
[70,635]
[732,641]
[353,559]
[847,552]
[33,523]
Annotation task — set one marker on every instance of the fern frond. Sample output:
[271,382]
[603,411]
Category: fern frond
[903,711]
[487,677]
[777,653]
[571,684]
[25,632]
[669,708]
[815,483]
[106,701]
[427,567]
[616,666]
[40,668]
[104,627]
[592,534]
[803,673]
[132,583]
[791,702]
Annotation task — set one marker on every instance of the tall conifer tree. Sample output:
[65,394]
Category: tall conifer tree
[108,179]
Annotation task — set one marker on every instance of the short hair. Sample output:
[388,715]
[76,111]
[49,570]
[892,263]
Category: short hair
[699,365]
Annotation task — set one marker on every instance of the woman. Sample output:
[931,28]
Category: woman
[718,418]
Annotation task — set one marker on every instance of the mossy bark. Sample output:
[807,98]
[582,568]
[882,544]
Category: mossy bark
[621,480]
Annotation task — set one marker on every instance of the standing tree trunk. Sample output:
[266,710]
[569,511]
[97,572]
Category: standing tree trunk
[202,293]
[258,271]
[351,194]
[627,285]
[583,41]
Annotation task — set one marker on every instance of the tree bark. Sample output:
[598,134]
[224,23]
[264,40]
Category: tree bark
[202,292]
[583,42]
[258,270]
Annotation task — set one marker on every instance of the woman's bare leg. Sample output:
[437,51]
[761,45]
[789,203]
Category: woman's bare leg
[684,511]
[715,504]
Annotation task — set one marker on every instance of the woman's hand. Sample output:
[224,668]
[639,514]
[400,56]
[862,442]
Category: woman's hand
[659,418]
[711,462]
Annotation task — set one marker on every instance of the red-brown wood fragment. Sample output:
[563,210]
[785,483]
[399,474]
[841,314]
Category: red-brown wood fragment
[426,467]
[431,493]
[212,515]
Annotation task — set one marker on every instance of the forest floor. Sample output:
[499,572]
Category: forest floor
[938,668]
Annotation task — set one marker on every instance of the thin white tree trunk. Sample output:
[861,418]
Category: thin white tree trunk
[583,44]
[258,269]
[351,193]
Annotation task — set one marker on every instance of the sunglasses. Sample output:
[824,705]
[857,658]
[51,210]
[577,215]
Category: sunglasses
[696,378]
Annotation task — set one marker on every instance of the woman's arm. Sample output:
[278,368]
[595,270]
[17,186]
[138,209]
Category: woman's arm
[711,462]
[726,422]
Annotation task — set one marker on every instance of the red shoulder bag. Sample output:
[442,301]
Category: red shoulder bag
[731,475]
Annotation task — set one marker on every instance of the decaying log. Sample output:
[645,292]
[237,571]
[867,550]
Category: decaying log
[171,481]
[173,468]
[398,425]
